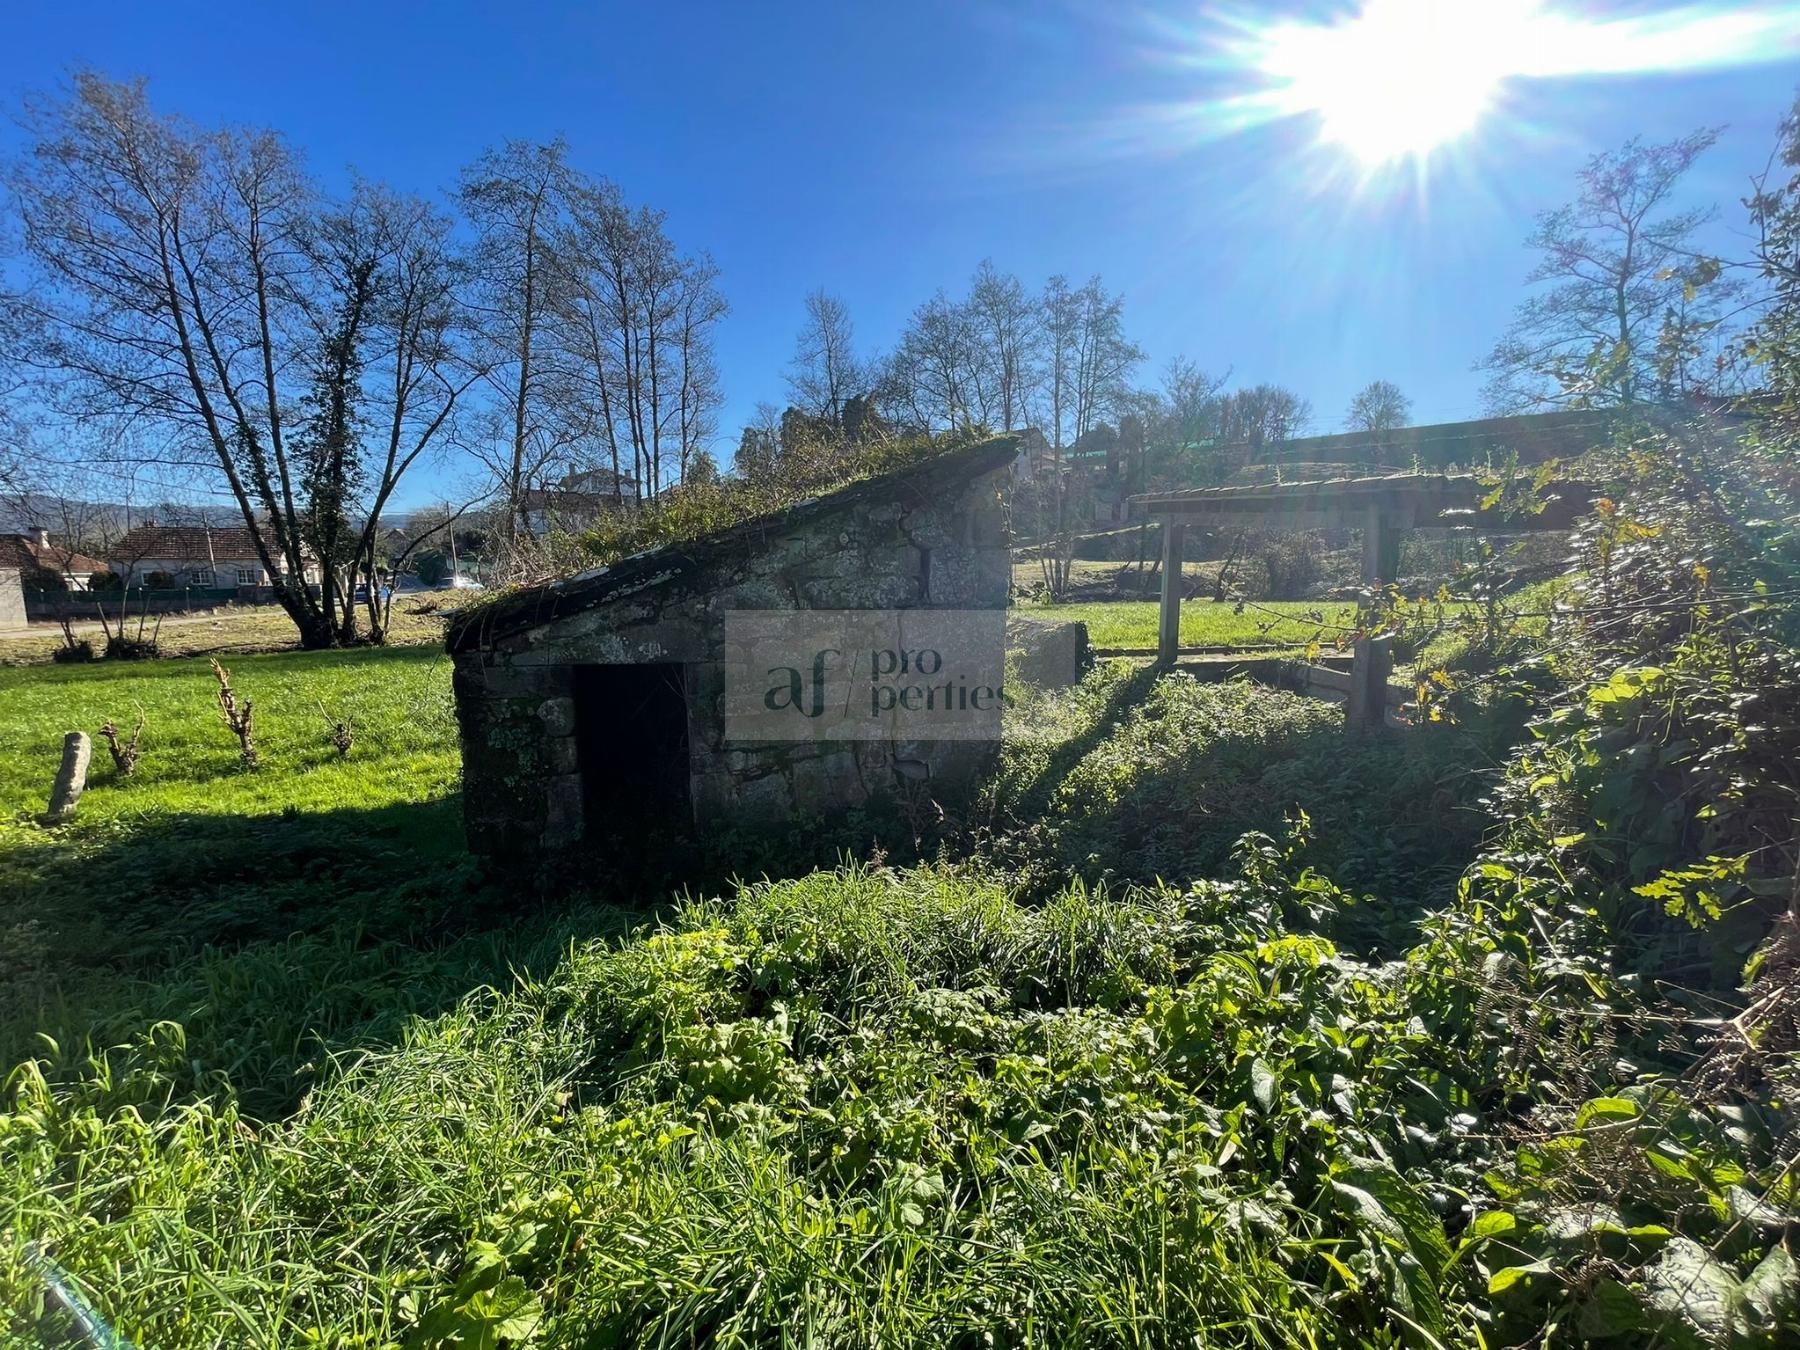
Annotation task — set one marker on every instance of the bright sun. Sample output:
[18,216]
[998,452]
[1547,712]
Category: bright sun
[1401,77]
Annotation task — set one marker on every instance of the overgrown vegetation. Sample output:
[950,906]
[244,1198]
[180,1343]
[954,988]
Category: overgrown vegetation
[808,467]
[1207,1027]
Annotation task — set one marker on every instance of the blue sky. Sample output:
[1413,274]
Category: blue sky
[882,150]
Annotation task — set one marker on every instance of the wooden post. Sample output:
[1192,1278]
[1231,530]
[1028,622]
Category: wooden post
[1168,637]
[1374,658]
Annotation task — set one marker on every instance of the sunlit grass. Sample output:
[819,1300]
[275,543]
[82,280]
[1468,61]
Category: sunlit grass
[397,700]
[1209,623]
[262,628]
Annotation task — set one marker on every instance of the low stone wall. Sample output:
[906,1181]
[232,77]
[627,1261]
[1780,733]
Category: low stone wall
[82,606]
[1046,654]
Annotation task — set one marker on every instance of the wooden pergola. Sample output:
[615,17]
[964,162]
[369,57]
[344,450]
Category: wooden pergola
[1382,508]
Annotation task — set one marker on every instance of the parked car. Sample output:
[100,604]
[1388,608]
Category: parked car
[456,581]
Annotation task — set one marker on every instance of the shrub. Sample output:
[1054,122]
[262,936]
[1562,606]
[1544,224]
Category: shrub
[74,651]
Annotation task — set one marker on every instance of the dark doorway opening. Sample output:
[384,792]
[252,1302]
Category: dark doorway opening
[631,734]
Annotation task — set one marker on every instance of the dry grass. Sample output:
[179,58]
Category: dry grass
[233,629]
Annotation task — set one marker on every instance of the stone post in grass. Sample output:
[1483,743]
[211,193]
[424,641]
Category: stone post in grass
[71,778]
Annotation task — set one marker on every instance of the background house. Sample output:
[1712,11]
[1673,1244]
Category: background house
[202,556]
[44,565]
[577,501]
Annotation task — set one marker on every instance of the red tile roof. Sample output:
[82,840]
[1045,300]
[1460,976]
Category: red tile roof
[187,543]
[25,553]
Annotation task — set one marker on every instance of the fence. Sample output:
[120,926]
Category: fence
[84,606]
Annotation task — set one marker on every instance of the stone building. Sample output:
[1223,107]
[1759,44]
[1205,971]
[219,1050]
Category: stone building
[589,704]
[12,599]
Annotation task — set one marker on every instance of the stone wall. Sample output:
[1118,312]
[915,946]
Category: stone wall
[1046,653]
[12,599]
[515,691]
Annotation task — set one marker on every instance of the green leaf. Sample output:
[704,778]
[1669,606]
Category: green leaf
[1773,1290]
[1760,1214]
[1493,1223]
[1508,1276]
[1262,1084]
[1688,1282]
[1605,1108]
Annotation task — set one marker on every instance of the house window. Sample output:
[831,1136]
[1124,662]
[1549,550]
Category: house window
[246,576]
[201,576]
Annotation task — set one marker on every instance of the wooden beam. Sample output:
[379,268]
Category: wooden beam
[1168,636]
[1374,658]
[1366,709]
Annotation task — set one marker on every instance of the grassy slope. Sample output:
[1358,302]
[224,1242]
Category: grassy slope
[898,1101]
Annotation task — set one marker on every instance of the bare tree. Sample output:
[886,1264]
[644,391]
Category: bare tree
[1180,426]
[195,285]
[1007,328]
[1626,304]
[1262,415]
[825,374]
[698,308]
[1103,356]
[1378,409]
[936,373]
[638,382]
[516,199]
[171,287]
[415,370]
[1086,361]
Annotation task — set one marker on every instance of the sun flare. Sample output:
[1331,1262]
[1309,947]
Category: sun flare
[1402,77]
[1399,80]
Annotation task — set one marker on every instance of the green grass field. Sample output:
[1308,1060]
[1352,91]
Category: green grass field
[397,699]
[104,919]
[1208,623]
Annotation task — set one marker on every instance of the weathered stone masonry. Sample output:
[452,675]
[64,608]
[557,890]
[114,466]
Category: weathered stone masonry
[931,535]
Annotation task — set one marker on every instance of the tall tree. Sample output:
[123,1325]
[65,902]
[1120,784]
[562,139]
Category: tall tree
[1627,303]
[825,374]
[936,374]
[1086,361]
[1774,204]
[1262,415]
[1180,427]
[1006,327]
[174,283]
[516,198]
[636,379]
[1103,356]
[412,364]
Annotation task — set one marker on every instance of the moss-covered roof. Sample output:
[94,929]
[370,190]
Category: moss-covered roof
[483,624]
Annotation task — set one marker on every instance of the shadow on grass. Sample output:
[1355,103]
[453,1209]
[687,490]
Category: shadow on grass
[1136,796]
[274,941]
[278,942]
